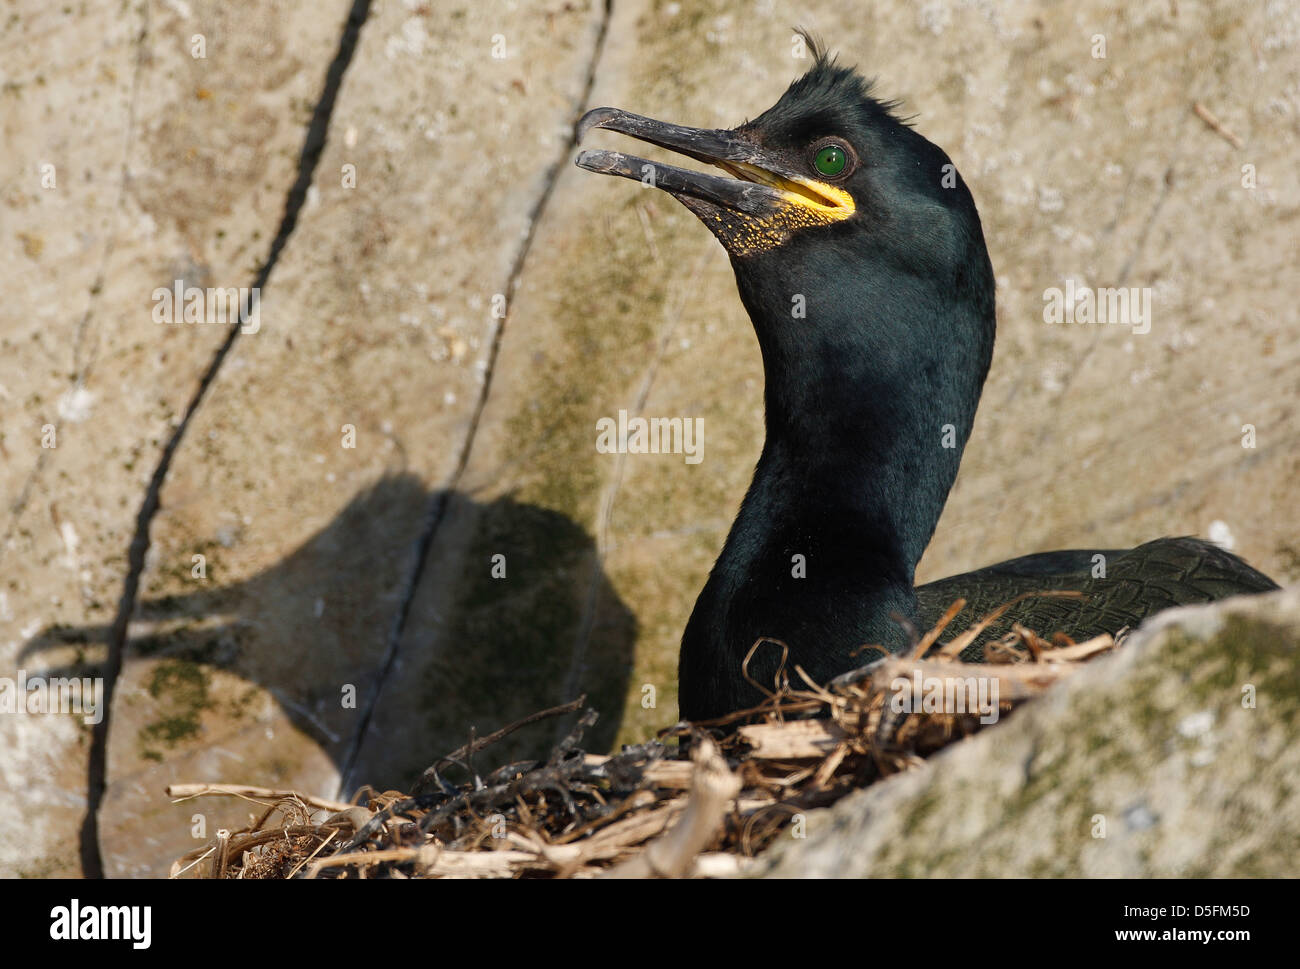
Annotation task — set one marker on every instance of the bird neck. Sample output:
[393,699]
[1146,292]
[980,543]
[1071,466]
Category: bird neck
[859,485]
[869,403]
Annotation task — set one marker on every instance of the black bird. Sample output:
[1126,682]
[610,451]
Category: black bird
[859,256]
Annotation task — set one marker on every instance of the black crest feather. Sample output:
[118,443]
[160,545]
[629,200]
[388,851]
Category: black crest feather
[831,80]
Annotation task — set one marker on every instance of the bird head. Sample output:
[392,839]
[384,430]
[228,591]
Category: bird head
[843,223]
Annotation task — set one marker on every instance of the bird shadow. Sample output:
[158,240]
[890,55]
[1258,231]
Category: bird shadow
[512,613]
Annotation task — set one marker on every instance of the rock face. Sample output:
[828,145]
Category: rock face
[1178,756]
[144,143]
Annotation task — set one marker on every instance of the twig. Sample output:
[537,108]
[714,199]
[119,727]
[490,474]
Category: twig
[219,859]
[1216,125]
[929,638]
[183,792]
[430,776]
[1080,651]
[298,867]
[949,650]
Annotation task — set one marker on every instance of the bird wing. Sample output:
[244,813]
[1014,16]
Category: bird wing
[1137,583]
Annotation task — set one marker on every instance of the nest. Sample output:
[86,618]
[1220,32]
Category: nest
[701,799]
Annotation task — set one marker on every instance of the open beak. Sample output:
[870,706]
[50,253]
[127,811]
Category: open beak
[765,199]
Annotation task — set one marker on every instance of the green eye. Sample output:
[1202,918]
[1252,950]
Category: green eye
[830,161]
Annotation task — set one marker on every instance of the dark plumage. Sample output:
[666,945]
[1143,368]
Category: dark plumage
[1139,582]
[870,397]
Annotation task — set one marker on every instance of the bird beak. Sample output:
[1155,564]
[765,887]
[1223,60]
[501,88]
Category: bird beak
[766,199]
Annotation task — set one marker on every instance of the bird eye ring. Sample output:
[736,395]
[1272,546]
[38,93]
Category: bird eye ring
[831,160]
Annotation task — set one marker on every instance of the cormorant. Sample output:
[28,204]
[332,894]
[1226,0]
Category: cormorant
[834,206]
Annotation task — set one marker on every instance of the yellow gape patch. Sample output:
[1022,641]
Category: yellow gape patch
[805,203]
